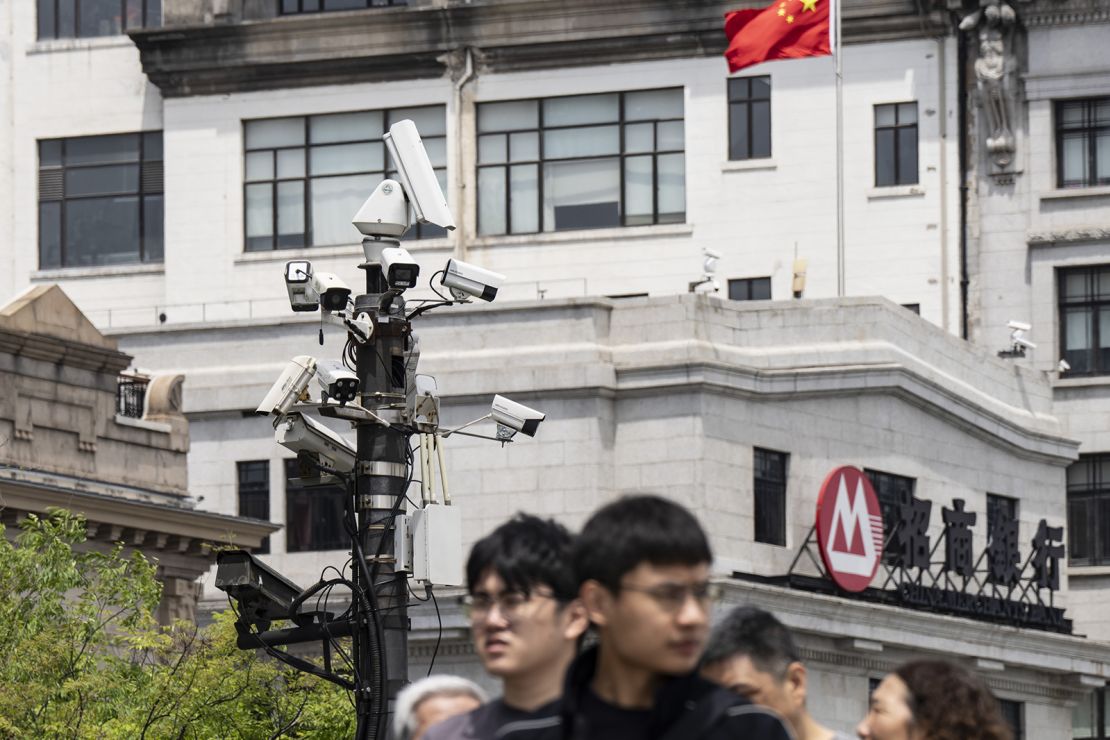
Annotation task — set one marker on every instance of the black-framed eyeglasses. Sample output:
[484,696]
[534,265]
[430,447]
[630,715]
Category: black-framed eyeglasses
[672,596]
[509,603]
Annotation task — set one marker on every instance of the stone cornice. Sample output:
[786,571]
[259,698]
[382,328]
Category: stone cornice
[1075,235]
[58,351]
[1064,12]
[411,42]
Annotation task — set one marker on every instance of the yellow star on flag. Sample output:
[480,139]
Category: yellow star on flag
[789,19]
[810,5]
[782,11]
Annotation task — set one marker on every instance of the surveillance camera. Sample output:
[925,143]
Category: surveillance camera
[1019,325]
[516,416]
[385,213]
[290,386]
[333,292]
[1023,342]
[264,595]
[465,279]
[1063,365]
[337,381]
[417,177]
[399,267]
[300,433]
[709,265]
[298,281]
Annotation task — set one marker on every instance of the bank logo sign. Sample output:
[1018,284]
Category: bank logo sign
[849,528]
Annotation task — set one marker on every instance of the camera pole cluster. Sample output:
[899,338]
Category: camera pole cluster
[374,387]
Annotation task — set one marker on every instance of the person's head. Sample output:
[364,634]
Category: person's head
[642,563]
[752,653]
[933,700]
[431,700]
[522,598]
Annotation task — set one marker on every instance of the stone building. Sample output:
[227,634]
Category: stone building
[591,151]
[76,433]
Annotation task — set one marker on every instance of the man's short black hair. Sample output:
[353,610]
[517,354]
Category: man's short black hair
[634,530]
[750,631]
[525,552]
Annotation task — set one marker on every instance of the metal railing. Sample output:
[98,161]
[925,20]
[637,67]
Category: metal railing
[131,395]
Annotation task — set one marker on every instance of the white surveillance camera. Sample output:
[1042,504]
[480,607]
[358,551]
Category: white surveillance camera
[417,177]
[400,268]
[1063,365]
[465,280]
[709,265]
[337,381]
[332,291]
[1019,325]
[299,433]
[298,281]
[1023,342]
[290,386]
[385,213]
[516,416]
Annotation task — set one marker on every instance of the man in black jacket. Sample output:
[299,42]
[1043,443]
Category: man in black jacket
[642,564]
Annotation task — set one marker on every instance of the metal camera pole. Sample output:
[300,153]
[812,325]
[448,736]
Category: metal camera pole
[381,475]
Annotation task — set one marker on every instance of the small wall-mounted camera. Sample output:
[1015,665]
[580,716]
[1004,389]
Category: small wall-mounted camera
[516,416]
[465,279]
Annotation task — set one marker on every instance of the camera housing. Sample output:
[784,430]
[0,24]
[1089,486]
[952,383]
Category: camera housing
[337,381]
[385,213]
[290,387]
[399,267]
[465,279]
[298,282]
[264,595]
[516,416]
[414,171]
[302,434]
[333,293]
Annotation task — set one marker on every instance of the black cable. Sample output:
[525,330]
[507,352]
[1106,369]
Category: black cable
[439,632]
[431,284]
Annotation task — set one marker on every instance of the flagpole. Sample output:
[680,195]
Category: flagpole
[837,47]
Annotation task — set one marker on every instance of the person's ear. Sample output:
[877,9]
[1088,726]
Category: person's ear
[577,620]
[597,601]
[797,683]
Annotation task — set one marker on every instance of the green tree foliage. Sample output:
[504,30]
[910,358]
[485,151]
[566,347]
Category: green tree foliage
[81,655]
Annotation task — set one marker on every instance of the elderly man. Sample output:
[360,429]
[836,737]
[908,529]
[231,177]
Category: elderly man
[431,700]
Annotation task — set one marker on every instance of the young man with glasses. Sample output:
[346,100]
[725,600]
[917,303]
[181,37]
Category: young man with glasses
[526,625]
[642,563]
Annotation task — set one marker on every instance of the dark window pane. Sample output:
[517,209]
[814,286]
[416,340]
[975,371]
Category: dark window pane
[99,18]
[344,4]
[102,231]
[134,18]
[761,88]
[1013,712]
[289,6]
[120,178]
[1102,526]
[153,13]
[50,153]
[152,228]
[907,156]
[738,132]
[761,129]
[290,216]
[738,89]
[313,515]
[254,493]
[884,158]
[46,19]
[761,289]
[67,19]
[1079,539]
[770,497]
[102,149]
[152,146]
[50,235]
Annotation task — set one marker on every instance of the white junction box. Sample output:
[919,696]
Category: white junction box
[437,552]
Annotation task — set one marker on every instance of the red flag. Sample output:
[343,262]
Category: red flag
[787,29]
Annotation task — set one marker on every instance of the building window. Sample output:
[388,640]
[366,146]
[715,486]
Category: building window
[1000,509]
[1085,319]
[896,144]
[1091,716]
[581,162]
[67,19]
[749,118]
[1014,714]
[254,493]
[100,200]
[1089,510]
[770,496]
[313,514]
[292,7]
[305,177]
[1083,143]
[893,492]
[750,289]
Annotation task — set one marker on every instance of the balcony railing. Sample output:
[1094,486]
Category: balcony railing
[131,395]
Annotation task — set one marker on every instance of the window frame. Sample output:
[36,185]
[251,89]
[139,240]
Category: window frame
[780,461]
[1091,129]
[898,129]
[150,14]
[1100,715]
[316,495]
[734,102]
[416,231]
[541,161]
[301,9]
[1092,495]
[883,482]
[254,489]
[1090,303]
[150,182]
[749,284]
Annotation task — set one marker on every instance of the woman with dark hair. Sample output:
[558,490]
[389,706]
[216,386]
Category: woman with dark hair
[933,700]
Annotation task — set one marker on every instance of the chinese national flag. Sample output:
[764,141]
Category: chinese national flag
[787,29]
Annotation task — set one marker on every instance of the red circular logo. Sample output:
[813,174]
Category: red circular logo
[849,528]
